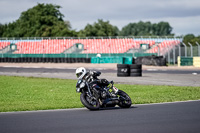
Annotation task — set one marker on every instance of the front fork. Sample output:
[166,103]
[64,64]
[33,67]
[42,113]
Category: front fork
[91,98]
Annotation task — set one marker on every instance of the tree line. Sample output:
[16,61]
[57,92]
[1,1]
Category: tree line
[46,20]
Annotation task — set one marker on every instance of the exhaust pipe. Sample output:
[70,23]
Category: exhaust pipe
[113,101]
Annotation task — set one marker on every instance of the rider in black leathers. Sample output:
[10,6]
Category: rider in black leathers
[91,78]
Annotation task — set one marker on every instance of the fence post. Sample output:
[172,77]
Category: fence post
[168,55]
[185,49]
[179,49]
[198,49]
[158,50]
[191,49]
[174,54]
[21,46]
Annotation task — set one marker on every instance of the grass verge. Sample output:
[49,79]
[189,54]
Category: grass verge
[28,93]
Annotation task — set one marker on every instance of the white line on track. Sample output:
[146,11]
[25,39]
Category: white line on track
[167,102]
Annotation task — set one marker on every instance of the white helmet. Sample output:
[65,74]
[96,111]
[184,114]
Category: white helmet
[80,72]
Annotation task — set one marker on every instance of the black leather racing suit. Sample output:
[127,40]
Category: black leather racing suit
[91,78]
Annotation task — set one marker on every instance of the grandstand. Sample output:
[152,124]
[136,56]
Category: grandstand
[65,47]
[164,47]
[57,46]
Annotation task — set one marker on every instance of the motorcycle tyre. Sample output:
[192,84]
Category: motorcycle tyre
[124,105]
[86,104]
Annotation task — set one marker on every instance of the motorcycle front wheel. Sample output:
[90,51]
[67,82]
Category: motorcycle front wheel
[89,102]
[124,99]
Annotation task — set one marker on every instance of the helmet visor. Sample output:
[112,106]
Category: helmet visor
[79,74]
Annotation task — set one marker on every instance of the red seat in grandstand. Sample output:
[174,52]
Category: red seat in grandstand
[4,44]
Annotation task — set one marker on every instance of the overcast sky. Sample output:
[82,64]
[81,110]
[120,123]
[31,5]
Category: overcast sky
[182,15]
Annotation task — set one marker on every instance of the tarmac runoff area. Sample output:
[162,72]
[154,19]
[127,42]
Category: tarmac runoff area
[152,75]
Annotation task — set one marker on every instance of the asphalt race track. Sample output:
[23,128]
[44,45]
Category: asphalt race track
[57,70]
[181,117]
[149,77]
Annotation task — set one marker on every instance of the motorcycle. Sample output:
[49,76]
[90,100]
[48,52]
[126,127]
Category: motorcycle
[108,96]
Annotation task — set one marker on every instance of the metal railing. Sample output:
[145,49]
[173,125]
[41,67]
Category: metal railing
[182,50]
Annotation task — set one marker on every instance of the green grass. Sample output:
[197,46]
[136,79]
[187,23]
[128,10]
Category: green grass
[28,93]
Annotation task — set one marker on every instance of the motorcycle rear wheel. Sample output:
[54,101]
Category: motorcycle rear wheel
[91,104]
[124,99]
